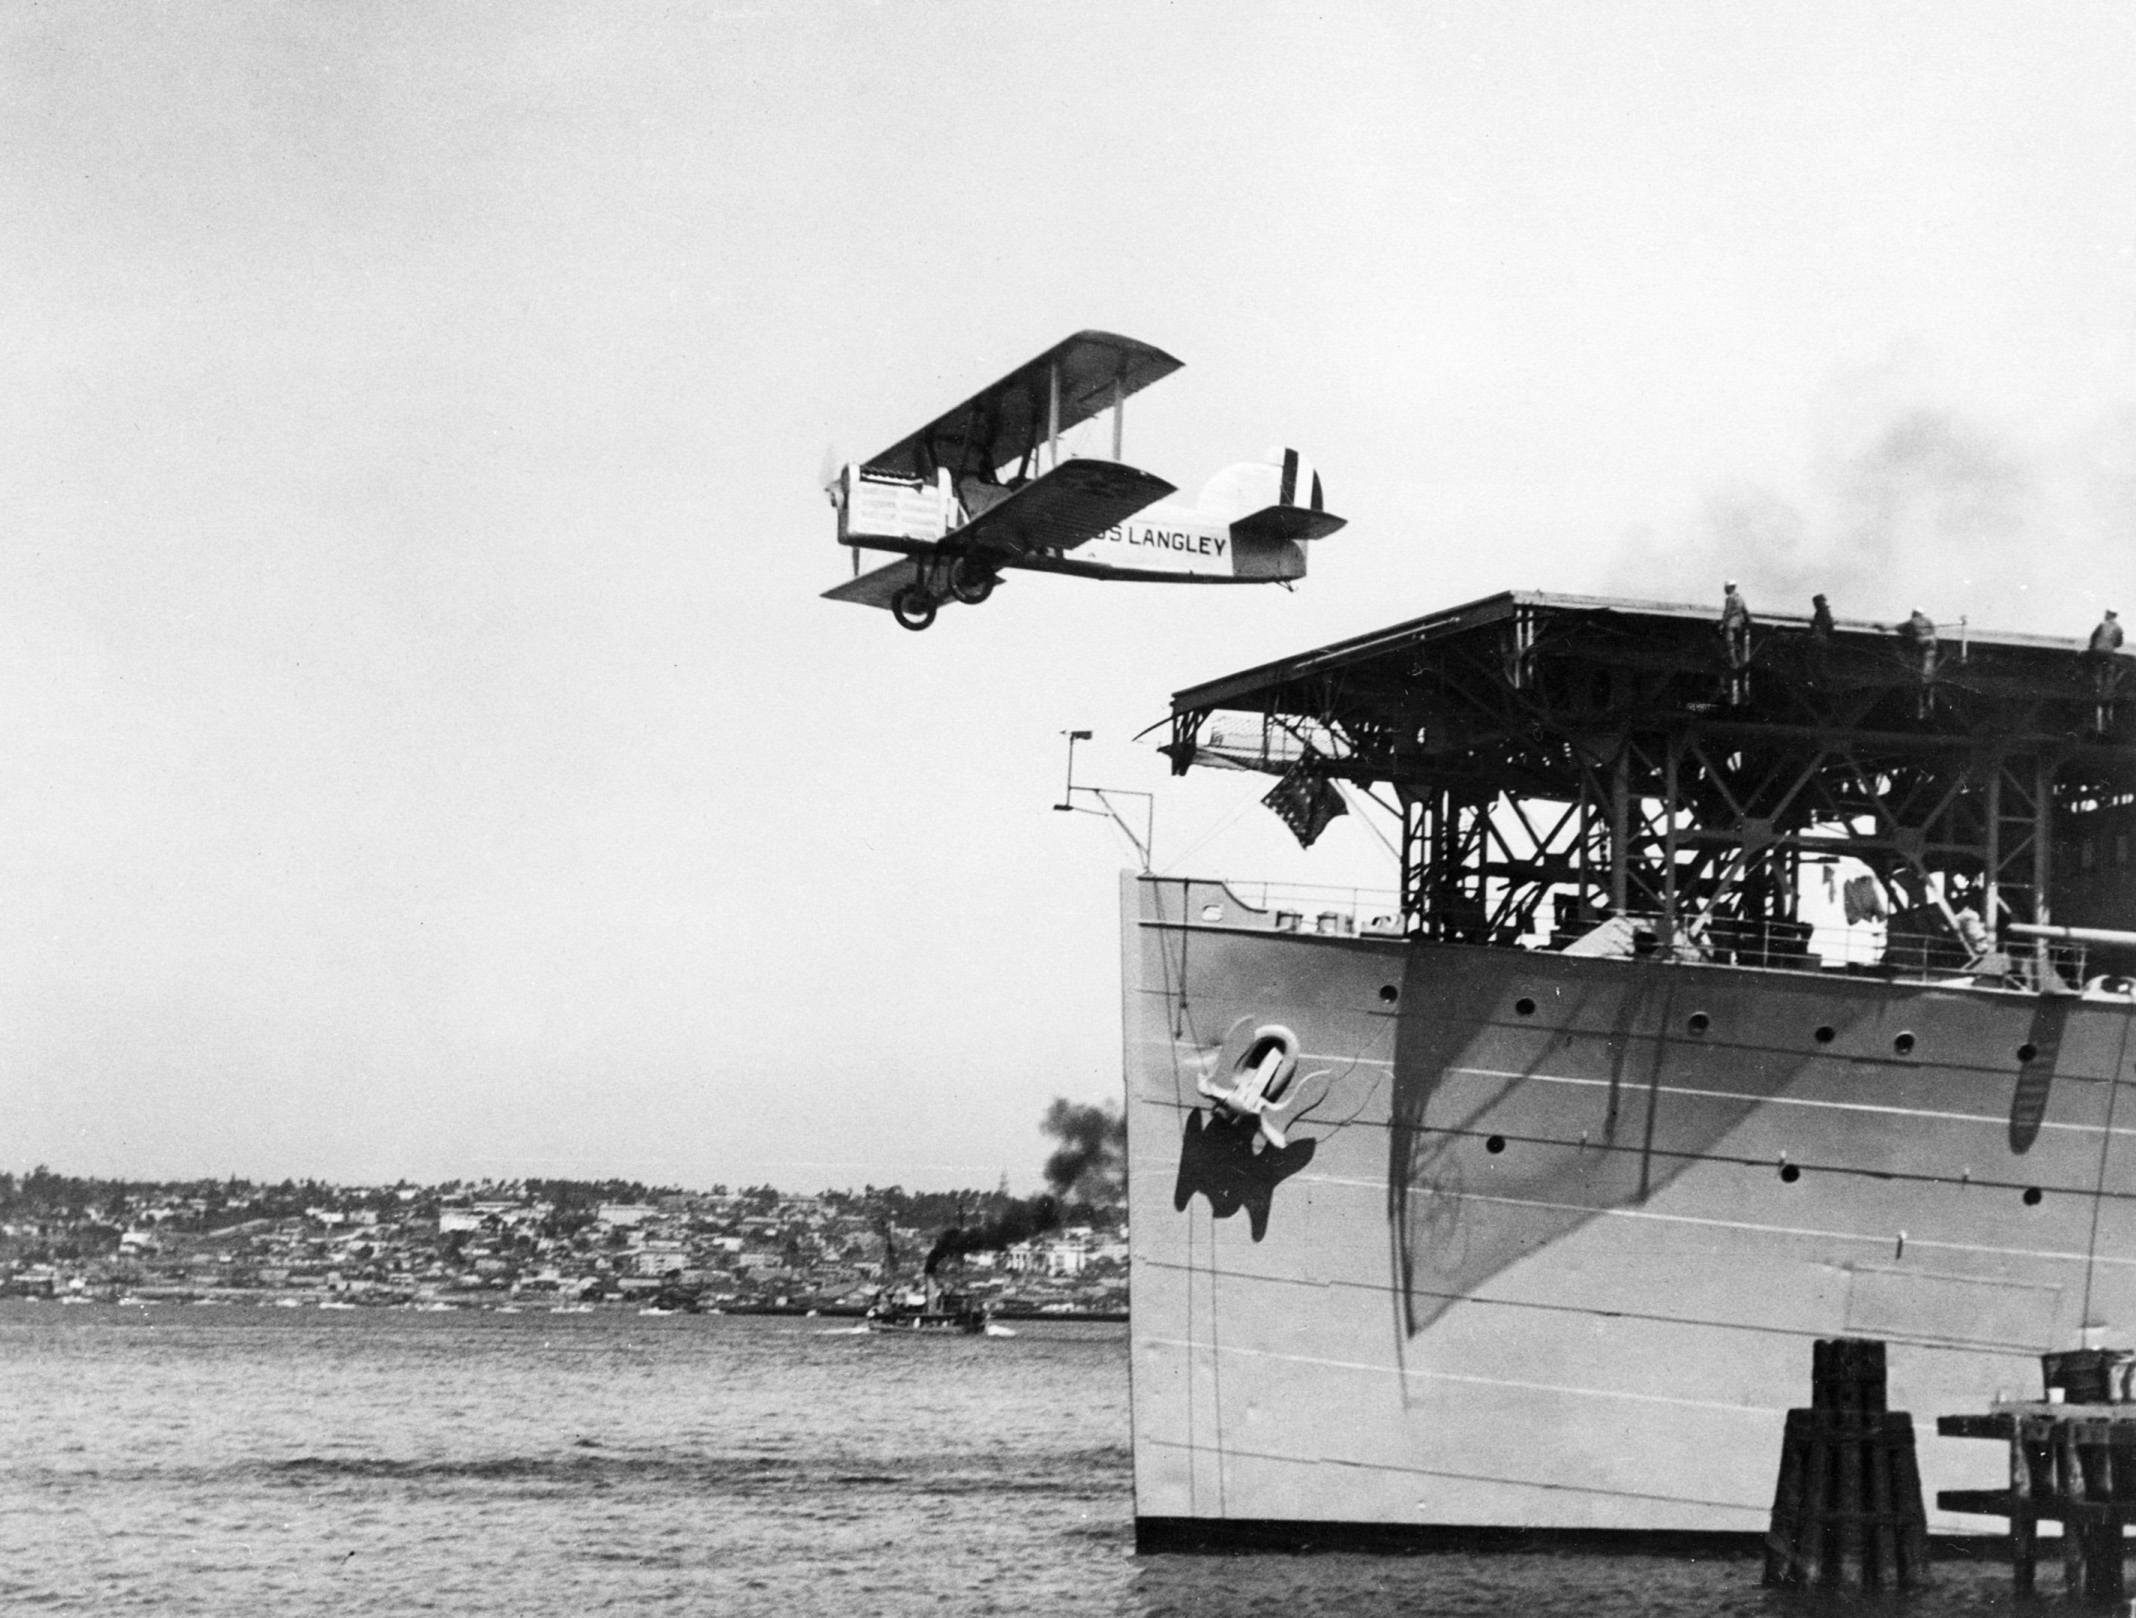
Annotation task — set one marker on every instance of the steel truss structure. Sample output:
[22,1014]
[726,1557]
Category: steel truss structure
[1618,758]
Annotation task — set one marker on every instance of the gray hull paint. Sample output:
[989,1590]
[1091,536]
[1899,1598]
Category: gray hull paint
[1598,1324]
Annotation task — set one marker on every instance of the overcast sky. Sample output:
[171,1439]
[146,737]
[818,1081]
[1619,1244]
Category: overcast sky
[424,752]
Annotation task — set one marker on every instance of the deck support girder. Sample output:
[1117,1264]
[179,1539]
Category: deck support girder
[1612,758]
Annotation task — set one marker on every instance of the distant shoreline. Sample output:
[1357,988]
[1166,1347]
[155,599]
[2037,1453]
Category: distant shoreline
[262,1298]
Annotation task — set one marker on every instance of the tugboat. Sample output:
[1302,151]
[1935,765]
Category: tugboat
[936,1310]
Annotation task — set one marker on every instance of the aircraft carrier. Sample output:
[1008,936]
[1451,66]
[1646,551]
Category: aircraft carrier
[1733,995]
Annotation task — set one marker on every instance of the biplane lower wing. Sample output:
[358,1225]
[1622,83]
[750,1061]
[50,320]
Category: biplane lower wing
[875,589]
[1075,502]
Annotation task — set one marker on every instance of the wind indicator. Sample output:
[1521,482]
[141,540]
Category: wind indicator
[1144,844]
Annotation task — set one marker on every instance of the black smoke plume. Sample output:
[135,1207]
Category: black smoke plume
[1018,1221]
[1090,1164]
[1909,502]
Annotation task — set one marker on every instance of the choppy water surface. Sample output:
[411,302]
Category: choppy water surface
[236,1461]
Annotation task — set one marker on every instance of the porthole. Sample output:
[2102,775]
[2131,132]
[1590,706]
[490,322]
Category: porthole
[1496,1144]
[1389,994]
[1790,1172]
[2027,1051]
[1212,912]
[2032,1196]
[1524,1006]
[1904,1044]
[1825,1034]
[1699,1022]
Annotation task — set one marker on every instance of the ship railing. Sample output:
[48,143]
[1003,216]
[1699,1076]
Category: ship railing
[1862,950]
[1931,957]
[1307,907]
[1868,950]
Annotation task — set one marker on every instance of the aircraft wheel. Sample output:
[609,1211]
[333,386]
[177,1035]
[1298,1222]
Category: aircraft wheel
[912,607]
[970,581]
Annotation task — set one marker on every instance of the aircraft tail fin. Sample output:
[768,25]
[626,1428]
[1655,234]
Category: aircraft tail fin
[1300,484]
[1281,479]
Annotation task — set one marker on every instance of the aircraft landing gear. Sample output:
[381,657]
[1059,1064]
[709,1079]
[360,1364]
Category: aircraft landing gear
[913,608]
[971,581]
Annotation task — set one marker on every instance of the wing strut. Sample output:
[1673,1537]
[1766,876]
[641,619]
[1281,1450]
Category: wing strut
[1053,415]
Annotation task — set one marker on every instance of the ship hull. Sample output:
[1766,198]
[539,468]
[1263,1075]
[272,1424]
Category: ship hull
[1547,1239]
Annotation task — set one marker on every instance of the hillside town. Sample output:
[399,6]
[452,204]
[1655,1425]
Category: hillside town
[558,1244]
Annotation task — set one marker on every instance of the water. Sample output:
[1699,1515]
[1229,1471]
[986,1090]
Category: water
[233,1461]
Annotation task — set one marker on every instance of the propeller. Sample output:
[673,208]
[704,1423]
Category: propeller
[831,480]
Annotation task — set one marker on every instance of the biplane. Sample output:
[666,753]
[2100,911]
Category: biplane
[983,489]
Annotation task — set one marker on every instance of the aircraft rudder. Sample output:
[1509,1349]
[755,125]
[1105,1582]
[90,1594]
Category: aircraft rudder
[1282,477]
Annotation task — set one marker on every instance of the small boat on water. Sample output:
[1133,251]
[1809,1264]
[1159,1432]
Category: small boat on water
[937,1311]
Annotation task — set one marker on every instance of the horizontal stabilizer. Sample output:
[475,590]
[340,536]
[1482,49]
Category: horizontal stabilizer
[1008,420]
[1076,501]
[1287,522]
[875,589]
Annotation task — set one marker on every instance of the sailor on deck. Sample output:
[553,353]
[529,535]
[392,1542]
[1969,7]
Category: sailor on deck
[1821,629]
[1973,933]
[1919,634]
[1735,638]
[2106,669]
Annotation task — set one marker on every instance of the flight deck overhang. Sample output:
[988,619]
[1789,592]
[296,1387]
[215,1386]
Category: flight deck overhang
[1667,663]
[1630,758]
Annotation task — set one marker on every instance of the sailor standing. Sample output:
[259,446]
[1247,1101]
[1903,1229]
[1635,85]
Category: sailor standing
[1919,634]
[2106,672]
[1735,638]
[1821,628]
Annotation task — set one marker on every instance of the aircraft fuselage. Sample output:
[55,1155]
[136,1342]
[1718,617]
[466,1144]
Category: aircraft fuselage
[1184,543]
[1163,543]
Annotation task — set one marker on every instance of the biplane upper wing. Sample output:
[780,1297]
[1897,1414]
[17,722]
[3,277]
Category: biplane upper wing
[875,589]
[1008,421]
[1076,501]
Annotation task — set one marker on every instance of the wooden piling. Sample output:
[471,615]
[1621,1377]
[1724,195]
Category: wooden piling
[2067,1464]
[1848,1555]
[2104,1573]
[2024,1518]
[1787,1499]
[1847,1502]
[1882,1561]
[1906,1504]
[2069,1485]
[1812,1532]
